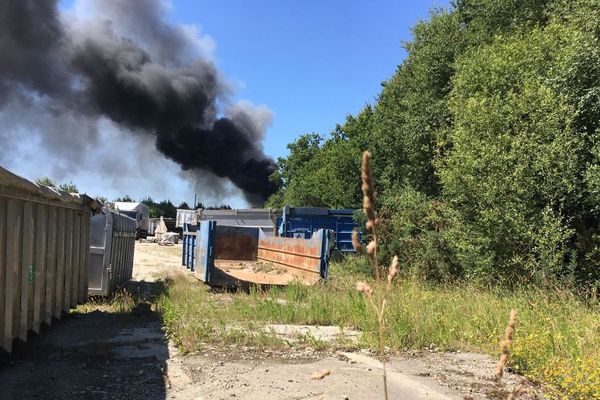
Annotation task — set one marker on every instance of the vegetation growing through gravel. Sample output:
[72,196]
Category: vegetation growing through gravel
[557,341]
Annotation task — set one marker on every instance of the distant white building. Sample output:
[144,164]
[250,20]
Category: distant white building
[138,211]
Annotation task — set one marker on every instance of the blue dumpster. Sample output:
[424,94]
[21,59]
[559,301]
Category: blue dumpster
[231,255]
[303,222]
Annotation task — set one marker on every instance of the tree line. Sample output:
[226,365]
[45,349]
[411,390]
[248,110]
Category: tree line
[485,146]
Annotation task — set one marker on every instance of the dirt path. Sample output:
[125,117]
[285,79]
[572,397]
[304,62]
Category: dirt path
[102,355]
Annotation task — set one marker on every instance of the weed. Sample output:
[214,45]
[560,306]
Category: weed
[122,301]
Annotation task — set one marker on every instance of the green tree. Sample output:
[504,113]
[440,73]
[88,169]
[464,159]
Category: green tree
[167,209]
[514,170]
[124,199]
[411,115]
[69,187]
[289,169]
[45,181]
[485,145]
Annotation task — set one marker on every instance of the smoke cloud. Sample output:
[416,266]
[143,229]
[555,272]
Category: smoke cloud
[119,60]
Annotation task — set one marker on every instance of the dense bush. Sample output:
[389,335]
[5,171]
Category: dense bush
[485,145]
[415,228]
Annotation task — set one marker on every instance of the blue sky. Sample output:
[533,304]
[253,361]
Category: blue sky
[310,62]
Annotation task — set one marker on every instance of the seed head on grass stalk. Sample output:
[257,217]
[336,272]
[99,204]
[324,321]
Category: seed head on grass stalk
[505,344]
[356,242]
[378,303]
[369,197]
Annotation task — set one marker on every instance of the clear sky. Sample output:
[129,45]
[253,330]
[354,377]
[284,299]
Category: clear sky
[311,62]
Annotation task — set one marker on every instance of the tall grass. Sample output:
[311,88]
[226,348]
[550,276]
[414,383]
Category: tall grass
[557,341]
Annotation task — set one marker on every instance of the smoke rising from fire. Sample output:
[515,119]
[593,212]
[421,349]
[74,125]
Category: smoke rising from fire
[119,60]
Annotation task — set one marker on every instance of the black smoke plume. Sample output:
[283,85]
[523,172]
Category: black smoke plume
[138,71]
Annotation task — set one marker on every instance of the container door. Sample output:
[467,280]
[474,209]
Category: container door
[189,246]
[99,273]
[204,250]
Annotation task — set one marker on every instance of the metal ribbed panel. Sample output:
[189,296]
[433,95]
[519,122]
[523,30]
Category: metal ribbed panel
[111,252]
[42,237]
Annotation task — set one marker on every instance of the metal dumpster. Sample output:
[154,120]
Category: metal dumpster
[303,222]
[44,254]
[229,256]
[263,218]
[112,247]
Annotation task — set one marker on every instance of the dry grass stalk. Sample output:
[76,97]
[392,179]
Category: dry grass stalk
[505,344]
[377,302]
[356,242]
[369,197]
[364,288]
[513,395]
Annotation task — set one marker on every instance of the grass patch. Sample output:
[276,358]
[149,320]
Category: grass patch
[121,301]
[557,339]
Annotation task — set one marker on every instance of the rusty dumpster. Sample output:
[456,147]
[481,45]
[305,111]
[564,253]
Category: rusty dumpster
[230,256]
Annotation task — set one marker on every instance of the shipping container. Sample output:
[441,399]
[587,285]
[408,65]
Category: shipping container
[44,254]
[231,256]
[112,247]
[303,222]
[263,218]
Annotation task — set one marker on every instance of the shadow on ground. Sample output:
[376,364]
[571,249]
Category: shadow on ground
[94,355]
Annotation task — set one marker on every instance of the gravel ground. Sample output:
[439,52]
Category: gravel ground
[102,355]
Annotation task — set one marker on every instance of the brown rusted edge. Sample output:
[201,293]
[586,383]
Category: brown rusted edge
[288,265]
[289,252]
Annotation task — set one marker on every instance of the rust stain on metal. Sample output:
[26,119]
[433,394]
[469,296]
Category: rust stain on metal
[288,252]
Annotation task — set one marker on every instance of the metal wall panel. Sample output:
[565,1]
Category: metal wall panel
[68,260]
[304,259]
[42,239]
[111,252]
[84,243]
[2,270]
[60,263]
[204,250]
[12,289]
[76,267]
[40,266]
[188,256]
[303,222]
[51,246]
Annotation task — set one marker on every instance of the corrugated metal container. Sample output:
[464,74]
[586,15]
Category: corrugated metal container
[44,243]
[263,218]
[111,252]
[303,222]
